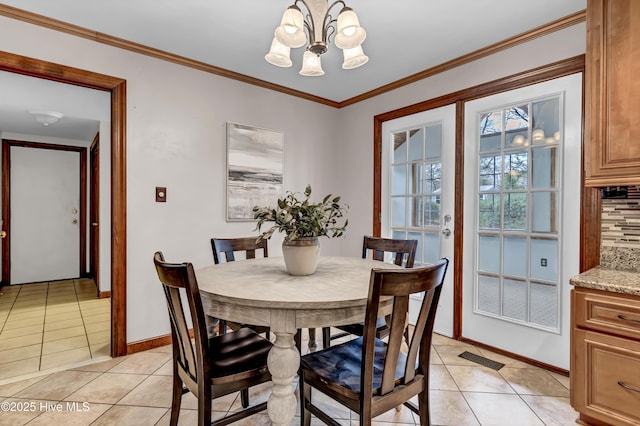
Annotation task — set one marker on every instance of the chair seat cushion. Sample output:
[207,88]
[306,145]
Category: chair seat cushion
[340,366]
[358,328]
[238,352]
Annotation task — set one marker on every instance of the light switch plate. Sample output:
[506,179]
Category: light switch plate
[161,194]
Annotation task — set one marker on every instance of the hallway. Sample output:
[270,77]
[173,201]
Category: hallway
[49,325]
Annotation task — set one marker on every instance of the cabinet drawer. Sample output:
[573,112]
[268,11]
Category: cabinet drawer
[618,314]
[609,386]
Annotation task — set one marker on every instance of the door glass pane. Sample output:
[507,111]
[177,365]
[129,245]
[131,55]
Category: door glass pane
[544,259]
[516,166]
[546,121]
[543,167]
[431,210]
[544,305]
[400,147]
[432,178]
[515,211]
[416,214]
[490,131]
[398,211]
[517,126]
[489,254]
[544,212]
[489,211]
[490,172]
[415,144]
[515,256]
[431,247]
[399,186]
[418,237]
[489,294]
[415,178]
[514,301]
[434,141]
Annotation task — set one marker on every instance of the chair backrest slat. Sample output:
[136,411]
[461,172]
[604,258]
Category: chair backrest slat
[401,284]
[224,248]
[189,355]
[403,251]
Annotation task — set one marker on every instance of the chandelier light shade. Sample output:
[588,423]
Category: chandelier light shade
[315,30]
[290,32]
[350,34]
[311,65]
[279,54]
[354,58]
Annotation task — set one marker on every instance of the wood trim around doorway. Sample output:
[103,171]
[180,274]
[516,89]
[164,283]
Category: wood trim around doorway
[117,87]
[6,200]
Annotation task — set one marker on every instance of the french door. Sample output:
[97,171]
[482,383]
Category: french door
[521,215]
[418,166]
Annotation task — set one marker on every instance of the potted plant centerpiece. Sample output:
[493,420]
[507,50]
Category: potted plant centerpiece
[302,221]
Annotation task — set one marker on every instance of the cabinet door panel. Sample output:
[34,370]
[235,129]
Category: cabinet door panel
[612,93]
[609,388]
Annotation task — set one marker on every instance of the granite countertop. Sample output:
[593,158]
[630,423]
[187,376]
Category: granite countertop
[608,279]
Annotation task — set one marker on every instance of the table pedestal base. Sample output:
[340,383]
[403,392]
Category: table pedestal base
[283,362]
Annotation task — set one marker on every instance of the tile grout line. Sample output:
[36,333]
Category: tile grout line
[44,321]
[84,325]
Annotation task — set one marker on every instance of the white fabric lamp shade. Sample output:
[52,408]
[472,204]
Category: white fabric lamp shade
[354,58]
[291,32]
[311,65]
[279,54]
[350,34]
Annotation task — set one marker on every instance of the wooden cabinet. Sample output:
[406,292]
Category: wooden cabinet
[612,93]
[605,357]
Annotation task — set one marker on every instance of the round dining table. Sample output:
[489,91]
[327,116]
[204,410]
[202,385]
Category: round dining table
[261,292]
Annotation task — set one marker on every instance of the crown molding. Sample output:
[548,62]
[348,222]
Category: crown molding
[54,24]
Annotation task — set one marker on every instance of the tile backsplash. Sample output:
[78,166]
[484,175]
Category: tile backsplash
[620,230]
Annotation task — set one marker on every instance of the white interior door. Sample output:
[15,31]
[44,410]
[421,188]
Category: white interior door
[418,166]
[522,205]
[45,203]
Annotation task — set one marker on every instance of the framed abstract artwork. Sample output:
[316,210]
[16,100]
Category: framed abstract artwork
[254,169]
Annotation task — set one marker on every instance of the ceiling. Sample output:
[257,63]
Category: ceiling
[404,37]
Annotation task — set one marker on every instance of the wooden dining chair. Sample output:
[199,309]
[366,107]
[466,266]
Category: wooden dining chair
[368,375]
[208,367]
[403,253]
[227,248]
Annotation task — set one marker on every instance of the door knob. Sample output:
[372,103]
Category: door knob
[3,234]
[74,221]
[446,232]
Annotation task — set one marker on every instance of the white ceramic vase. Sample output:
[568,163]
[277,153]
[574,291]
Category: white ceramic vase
[301,255]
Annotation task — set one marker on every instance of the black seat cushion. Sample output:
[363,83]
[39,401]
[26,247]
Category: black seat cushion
[340,366]
[238,352]
[358,328]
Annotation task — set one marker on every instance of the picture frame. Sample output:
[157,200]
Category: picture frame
[254,169]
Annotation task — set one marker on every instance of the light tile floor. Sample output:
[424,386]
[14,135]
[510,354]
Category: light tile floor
[49,325]
[136,390]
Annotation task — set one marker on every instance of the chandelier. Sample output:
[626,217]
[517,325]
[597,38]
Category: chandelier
[320,26]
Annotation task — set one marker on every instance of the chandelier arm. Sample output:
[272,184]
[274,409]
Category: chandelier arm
[328,20]
[309,23]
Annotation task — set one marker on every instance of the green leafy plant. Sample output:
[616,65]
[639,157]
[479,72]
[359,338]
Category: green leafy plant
[297,216]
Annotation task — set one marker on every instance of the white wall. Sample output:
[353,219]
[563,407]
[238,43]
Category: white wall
[176,138]
[355,159]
